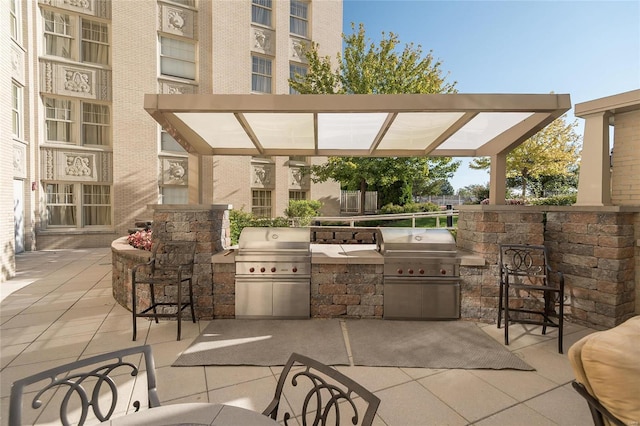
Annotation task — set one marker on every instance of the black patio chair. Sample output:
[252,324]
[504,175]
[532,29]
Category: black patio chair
[84,390]
[525,273]
[326,396]
[598,411]
[171,264]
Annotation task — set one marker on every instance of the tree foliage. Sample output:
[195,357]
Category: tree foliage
[367,68]
[551,155]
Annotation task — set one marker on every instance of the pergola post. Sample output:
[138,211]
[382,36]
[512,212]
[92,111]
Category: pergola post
[594,187]
[498,178]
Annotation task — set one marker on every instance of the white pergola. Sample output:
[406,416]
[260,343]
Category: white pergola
[451,125]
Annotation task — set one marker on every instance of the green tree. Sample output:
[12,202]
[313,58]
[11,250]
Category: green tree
[367,68]
[552,153]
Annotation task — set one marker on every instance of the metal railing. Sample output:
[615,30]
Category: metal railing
[447,215]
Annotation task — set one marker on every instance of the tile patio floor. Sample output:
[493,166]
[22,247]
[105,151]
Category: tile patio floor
[59,308]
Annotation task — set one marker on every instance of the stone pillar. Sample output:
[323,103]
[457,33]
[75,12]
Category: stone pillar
[595,251]
[208,225]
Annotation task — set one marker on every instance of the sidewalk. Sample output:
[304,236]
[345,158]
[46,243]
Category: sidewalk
[59,308]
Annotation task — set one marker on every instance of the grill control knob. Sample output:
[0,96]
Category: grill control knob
[252,269]
[399,271]
[421,271]
[294,269]
[410,271]
[273,269]
[262,269]
[443,271]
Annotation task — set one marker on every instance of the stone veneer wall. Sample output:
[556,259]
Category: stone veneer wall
[592,247]
[346,290]
[207,225]
[596,253]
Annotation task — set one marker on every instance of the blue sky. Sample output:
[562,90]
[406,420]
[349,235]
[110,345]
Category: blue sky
[589,49]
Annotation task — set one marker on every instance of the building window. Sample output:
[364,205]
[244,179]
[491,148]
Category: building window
[177,58]
[95,42]
[169,144]
[59,120]
[190,3]
[174,195]
[60,116]
[16,110]
[261,74]
[14,25]
[297,73]
[261,203]
[297,195]
[261,12]
[299,19]
[60,204]
[58,36]
[96,205]
[96,127]
[66,209]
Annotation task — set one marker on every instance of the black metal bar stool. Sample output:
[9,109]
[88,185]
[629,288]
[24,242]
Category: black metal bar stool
[171,264]
[525,269]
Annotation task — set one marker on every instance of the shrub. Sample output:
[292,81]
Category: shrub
[238,220]
[302,211]
[140,240]
[391,209]
[556,200]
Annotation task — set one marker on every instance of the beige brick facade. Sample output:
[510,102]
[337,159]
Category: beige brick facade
[132,165]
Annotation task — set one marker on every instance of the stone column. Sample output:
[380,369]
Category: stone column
[208,225]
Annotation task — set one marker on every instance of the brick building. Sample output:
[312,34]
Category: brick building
[81,158]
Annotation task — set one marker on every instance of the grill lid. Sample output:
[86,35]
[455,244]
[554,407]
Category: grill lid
[414,242]
[274,240]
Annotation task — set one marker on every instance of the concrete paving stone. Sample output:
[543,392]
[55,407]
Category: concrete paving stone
[223,376]
[375,378]
[549,364]
[412,404]
[563,406]
[460,390]
[520,385]
[254,395]
[520,415]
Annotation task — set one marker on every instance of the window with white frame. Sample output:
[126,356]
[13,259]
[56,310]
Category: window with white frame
[177,58]
[96,205]
[261,12]
[299,18]
[77,205]
[76,38]
[63,115]
[261,203]
[96,127]
[95,42]
[14,25]
[296,72]
[59,120]
[58,35]
[16,110]
[261,74]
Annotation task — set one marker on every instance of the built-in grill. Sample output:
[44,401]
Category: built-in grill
[421,273]
[273,273]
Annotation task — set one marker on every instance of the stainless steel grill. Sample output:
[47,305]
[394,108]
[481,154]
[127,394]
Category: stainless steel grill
[421,273]
[273,273]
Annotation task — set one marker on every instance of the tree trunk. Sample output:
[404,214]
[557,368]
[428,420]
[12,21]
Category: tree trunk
[524,188]
[363,195]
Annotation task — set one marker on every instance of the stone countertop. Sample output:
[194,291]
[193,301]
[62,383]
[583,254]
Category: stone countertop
[356,254]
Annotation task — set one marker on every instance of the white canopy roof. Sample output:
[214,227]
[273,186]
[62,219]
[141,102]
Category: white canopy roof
[457,125]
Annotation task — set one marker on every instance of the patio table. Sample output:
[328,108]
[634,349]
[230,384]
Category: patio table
[194,413]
